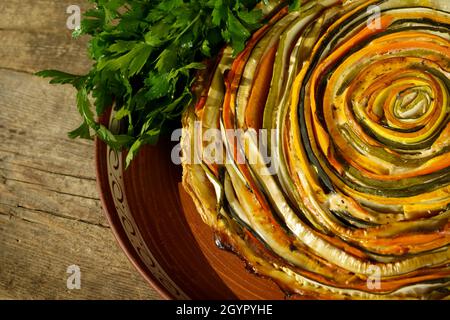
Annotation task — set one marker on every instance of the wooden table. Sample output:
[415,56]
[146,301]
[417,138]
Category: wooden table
[50,212]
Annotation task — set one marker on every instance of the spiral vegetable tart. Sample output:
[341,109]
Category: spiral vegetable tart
[351,199]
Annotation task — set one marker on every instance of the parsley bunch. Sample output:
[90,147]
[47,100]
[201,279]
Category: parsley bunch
[146,53]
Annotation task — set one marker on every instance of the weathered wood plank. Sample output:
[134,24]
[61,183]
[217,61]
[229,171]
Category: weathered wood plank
[37,15]
[50,213]
[39,164]
[34,36]
[34,51]
[38,247]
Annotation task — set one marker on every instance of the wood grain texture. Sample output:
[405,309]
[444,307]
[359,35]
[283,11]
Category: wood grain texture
[50,213]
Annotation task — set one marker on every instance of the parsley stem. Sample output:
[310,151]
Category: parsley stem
[189,26]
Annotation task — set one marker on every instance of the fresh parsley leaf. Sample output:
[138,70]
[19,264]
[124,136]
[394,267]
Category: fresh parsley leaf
[145,57]
[62,77]
[237,33]
[295,5]
[81,132]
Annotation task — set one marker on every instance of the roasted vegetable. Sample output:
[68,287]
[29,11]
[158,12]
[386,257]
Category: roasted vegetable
[360,194]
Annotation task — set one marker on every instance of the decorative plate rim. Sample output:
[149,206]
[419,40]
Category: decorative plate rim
[111,215]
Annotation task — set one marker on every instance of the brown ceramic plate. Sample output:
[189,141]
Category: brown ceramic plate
[158,227]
